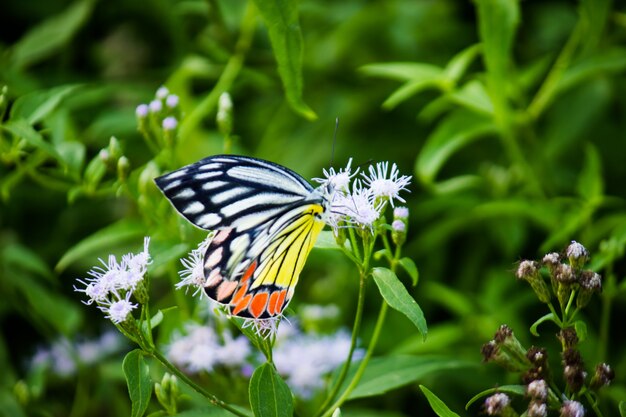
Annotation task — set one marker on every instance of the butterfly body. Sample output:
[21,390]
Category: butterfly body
[266,219]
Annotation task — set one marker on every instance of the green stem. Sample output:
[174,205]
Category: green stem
[566,315]
[557,319]
[228,76]
[181,376]
[605,317]
[593,403]
[361,369]
[355,332]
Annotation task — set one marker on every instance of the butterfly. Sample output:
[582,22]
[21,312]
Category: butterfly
[266,219]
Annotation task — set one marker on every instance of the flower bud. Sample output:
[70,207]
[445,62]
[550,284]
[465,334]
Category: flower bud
[123,168]
[337,412]
[156,106]
[224,117]
[602,376]
[568,338]
[577,255]
[115,148]
[537,390]
[506,340]
[142,111]
[497,404]
[537,409]
[529,271]
[572,409]
[590,283]
[172,101]
[573,369]
[169,129]
[162,92]
[398,232]
[167,392]
[401,213]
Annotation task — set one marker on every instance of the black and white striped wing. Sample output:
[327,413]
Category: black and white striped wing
[238,192]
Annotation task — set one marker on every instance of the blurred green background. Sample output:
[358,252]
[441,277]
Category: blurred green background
[509,115]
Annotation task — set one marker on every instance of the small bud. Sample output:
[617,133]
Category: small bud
[142,111]
[224,117]
[551,259]
[398,233]
[171,101]
[336,413]
[162,92]
[156,106]
[572,409]
[529,271]
[537,390]
[167,392]
[511,349]
[577,255]
[401,213]
[602,377]
[496,404]
[115,148]
[573,369]
[590,283]
[537,409]
[104,155]
[123,168]
[538,357]
[170,123]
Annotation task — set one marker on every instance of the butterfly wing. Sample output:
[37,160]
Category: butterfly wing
[268,218]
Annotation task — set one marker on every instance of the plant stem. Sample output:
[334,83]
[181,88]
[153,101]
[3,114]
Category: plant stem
[228,76]
[361,369]
[355,332]
[181,376]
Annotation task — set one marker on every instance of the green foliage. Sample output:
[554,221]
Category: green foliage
[508,114]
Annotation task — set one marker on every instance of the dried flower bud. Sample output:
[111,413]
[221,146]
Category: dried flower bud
[568,338]
[537,390]
[573,370]
[496,404]
[529,271]
[538,357]
[590,283]
[577,255]
[537,409]
[551,259]
[511,347]
[572,409]
[602,377]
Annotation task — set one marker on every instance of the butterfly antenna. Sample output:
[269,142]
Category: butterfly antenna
[332,152]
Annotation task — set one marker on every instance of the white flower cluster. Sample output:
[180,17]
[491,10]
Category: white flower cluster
[361,200]
[193,273]
[305,360]
[111,285]
[201,348]
[63,357]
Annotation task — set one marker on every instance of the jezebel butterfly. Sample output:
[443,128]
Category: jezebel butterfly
[266,219]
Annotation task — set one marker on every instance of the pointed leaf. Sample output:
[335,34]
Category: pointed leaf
[398,297]
[438,406]
[51,35]
[590,183]
[101,242]
[403,71]
[410,268]
[460,62]
[622,408]
[139,383]
[34,106]
[456,131]
[547,317]
[269,394]
[281,19]
[22,129]
[386,373]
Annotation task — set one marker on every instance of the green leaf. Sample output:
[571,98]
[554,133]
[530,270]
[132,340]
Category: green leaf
[581,330]
[622,408]
[590,183]
[211,412]
[101,242]
[498,21]
[326,240]
[474,97]
[398,297]
[402,71]
[269,394]
[386,373]
[16,255]
[35,106]
[438,406]
[281,19]
[460,62]
[22,129]
[456,131]
[139,383]
[610,61]
[410,268]
[547,317]
[507,389]
[51,35]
